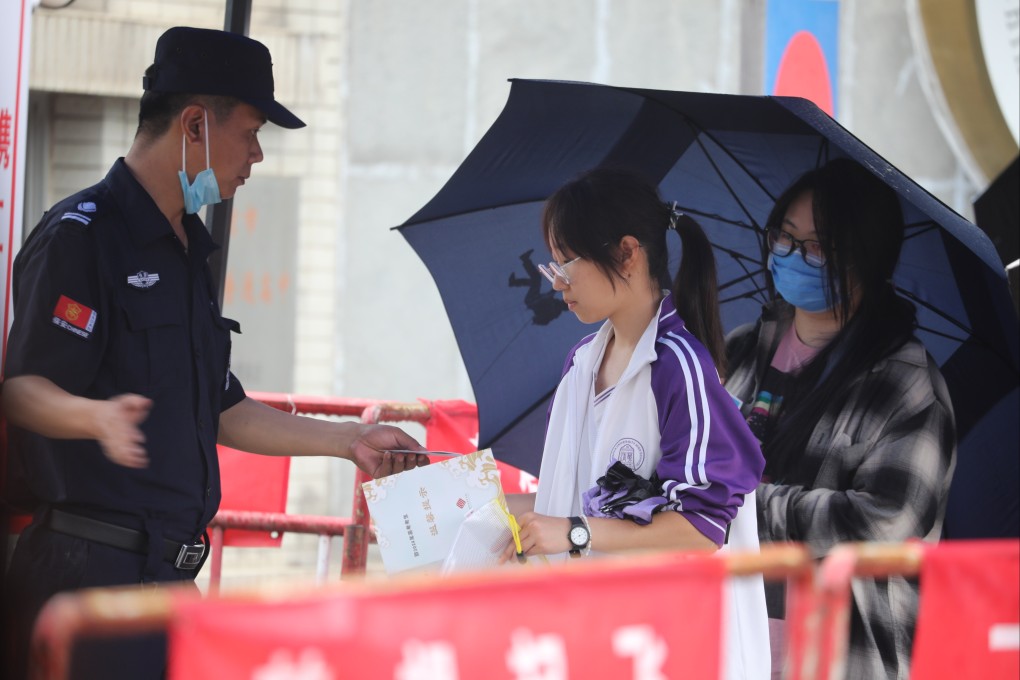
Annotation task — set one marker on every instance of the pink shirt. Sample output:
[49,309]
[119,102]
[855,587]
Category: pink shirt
[792,354]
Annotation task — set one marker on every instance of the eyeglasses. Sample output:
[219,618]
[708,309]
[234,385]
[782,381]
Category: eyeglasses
[782,244]
[554,270]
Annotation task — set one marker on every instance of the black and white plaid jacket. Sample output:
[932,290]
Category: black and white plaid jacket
[877,468]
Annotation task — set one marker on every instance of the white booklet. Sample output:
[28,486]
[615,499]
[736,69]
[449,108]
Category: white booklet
[418,513]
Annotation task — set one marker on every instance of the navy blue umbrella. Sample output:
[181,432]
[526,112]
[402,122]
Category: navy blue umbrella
[723,159]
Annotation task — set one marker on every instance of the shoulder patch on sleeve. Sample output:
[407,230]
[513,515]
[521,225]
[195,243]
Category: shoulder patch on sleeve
[74,317]
[82,213]
[77,217]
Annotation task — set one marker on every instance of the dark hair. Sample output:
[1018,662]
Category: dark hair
[157,110]
[860,229]
[591,214]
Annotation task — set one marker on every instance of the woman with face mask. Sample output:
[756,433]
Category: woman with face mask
[853,416]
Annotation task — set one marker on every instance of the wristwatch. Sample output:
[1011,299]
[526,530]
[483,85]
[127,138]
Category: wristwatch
[579,536]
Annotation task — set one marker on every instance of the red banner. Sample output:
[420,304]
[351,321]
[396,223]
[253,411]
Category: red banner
[256,483]
[453,426]
[647,619]
[969,620]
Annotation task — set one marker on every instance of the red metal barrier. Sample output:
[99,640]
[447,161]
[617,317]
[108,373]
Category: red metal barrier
[356,543]
[130,610]
[354,529]
[967,623]
[98,612]
[325,527]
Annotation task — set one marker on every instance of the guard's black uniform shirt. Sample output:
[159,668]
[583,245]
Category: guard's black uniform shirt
[107,301]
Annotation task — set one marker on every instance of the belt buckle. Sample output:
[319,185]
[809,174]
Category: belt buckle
[190,556]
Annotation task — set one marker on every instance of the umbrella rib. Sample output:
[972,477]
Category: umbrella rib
[748,275]
[503,351]
[823,150]
[748,294]
[924,228]
[972,335]
[940,333]
[718,172]
[914,298]
[735,254]
[701,131]
[488,443]
[718,218]
[736,223]
[963,340]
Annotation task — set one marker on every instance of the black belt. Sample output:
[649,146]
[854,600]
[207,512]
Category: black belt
[181,555]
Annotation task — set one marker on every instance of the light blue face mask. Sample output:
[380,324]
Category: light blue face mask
[800,284]
[205,190]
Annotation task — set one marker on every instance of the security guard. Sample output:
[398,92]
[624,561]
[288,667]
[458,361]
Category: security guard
[118,364]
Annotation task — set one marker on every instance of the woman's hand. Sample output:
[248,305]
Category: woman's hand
[541,535]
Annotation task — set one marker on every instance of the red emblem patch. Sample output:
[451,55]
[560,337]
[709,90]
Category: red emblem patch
[74,317]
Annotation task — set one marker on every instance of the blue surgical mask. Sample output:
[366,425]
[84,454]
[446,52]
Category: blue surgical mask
[205,190]
[799,283]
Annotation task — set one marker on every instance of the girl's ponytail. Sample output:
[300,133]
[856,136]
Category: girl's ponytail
[695,289]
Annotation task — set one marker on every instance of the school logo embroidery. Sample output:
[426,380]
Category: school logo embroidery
[74,317]
[87,206]
[629,452]
[143,279]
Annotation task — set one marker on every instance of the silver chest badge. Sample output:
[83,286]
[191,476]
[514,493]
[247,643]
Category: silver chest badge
[143,279]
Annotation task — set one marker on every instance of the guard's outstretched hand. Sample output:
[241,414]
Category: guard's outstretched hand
[372,451]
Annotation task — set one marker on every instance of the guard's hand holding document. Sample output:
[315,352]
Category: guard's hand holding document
[443,517]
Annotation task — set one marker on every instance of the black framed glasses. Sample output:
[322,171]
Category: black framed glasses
[782,244]
[553,270]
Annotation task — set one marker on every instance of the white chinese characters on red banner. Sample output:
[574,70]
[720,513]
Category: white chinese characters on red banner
[650,619]
[969,618]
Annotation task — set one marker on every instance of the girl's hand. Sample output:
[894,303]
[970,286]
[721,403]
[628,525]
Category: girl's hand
[543,535]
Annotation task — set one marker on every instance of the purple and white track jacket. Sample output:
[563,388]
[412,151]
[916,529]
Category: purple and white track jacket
[668,414]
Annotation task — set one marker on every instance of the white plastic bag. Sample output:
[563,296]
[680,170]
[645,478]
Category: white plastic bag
[483,537]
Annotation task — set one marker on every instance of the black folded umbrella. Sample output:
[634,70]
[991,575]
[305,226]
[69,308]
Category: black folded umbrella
[724,159]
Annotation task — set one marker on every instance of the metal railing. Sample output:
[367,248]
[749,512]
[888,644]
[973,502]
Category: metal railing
[129,610]
[354,529]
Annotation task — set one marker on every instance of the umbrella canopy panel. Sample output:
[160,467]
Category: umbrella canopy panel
[512,329]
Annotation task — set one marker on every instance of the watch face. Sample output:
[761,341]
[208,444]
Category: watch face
[579,536]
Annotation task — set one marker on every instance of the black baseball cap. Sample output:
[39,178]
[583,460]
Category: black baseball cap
[205,61]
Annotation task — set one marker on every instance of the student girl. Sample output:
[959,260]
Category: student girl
[644,448]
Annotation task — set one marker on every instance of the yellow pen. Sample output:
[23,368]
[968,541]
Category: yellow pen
[516,531]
